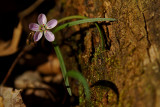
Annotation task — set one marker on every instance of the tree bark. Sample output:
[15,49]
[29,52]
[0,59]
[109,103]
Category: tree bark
[131,59]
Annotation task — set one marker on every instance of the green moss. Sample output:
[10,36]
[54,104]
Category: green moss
[98,52]
[96,70]
[81,95]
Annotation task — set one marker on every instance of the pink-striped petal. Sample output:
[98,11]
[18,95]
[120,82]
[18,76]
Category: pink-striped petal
[49,36]
[37,36]
[51,24]
[34,27]
[42,19]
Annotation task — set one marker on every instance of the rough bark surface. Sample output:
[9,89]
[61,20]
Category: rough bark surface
[131,59]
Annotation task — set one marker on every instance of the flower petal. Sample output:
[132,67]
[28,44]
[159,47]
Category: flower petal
[42,19]
[49,36]
[37,36]
[51,24]
[34,26]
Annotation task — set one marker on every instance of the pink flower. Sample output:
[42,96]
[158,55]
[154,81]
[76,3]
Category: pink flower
[42,27]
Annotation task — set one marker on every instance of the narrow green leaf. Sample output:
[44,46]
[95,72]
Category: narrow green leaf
[101,35]
[71,17]
[62,65]
[80,77]
[81,22]
[83,17]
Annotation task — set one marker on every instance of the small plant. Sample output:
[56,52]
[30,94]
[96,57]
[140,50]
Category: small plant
[42,28]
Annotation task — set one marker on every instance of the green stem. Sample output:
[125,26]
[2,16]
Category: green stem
[62,65]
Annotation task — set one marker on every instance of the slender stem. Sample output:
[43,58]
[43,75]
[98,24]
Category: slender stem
[62,65]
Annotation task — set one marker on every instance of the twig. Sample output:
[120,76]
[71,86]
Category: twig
[15,62]
[30,9]
[50,95]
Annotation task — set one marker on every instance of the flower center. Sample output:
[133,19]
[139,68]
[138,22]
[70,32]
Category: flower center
[42,27]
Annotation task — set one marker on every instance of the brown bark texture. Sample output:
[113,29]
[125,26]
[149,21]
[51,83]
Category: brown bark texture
[131,59]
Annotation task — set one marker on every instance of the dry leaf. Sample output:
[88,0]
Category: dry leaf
[13,47]
[1,102]
[55,79]
[4,44]
[41,93]
[11,98]
[50,67]
[32,81]
[58,78]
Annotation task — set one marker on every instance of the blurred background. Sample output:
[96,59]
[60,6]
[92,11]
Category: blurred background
[37,71]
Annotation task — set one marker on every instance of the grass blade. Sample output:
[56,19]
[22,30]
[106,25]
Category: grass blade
[63,68]
[71,17]
[80,77]
[101,35]
[69,24]
[83,17]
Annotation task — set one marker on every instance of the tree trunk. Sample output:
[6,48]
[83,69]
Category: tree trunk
[131,59]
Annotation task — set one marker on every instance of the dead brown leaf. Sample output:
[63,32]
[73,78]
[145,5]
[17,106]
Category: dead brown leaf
[1,102]
[32,82]
[30,79]
[55,79]
[13,47]
[52,66]
[10,97]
